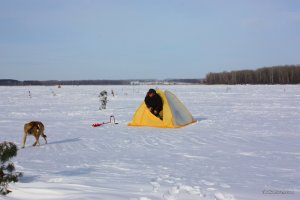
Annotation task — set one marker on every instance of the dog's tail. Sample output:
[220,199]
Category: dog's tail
[41,128]
[45,137]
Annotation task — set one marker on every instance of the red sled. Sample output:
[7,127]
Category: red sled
[110,121]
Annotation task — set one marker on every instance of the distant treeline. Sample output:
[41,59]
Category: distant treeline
[191,81]
[78,82]
[288,74]
[11,82]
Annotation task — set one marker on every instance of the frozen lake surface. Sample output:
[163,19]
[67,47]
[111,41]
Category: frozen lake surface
[245,144]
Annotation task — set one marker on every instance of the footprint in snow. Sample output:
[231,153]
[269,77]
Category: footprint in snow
[223,196]
[175,192]
[205,182]
[55,180]
[224,185]
[155,184]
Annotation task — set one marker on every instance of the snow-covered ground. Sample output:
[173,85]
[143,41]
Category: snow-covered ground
[245,145]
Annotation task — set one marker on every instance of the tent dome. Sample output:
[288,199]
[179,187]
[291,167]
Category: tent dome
[175,114]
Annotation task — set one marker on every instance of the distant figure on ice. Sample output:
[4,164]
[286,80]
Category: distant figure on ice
[154,102]
[112,93]
[103,99]
[29,93]
[227,89]
[53,93]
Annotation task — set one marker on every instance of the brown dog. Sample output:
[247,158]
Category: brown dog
[36,129]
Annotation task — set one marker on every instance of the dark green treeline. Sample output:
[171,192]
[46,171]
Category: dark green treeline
[288,74]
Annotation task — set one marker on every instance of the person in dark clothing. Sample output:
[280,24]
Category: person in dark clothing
[154,102]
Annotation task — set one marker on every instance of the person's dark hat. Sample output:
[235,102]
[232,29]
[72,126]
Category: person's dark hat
[151,91]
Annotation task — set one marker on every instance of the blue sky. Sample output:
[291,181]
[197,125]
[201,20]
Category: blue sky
[128,39]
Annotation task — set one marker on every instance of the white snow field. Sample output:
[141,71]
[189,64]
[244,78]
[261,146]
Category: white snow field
[245,145]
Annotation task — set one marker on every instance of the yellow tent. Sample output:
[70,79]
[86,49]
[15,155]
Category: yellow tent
[175,114]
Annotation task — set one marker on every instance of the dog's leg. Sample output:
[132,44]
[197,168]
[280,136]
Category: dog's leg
[42,130]
[24,140]
[36,134]
[26,129]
